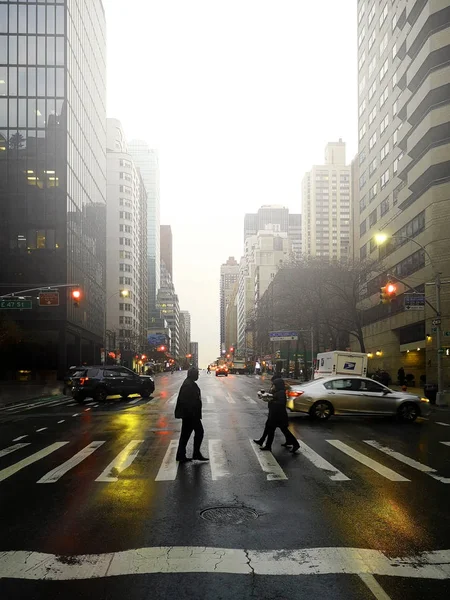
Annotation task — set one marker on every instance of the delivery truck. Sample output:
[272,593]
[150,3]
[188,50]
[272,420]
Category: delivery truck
[339,362]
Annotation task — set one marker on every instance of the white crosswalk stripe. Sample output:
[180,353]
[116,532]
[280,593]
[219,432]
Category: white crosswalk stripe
[121,462]
[13,469]
[7,451]
[269,464]
[217,460]
[169,466]
[230,399]
[443,424]
[209,399]
[408,461]
[173,399]
[368,462]
[250,400]
[446,443]
[58,472]
[317,460]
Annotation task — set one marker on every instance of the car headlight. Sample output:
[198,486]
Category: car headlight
[424,400]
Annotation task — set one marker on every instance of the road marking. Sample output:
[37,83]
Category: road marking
[318,461]
[72,404]
[46,403]
[217,460]
[134,401]
[58,472]
[62,421]
[445,443]
[230,399]
[374,586]
[37,566]
[87,409]
[121,462]
[269,464]
[7,451]
[444,424]
[5,473]
[209,399]
[169,466]
[408,461]
[368,462]
[95,406]
[173,399]
[21,437]
[250,400]
[75,415]
[41,429]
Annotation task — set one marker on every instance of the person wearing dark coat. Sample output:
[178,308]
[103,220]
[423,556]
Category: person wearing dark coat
[262,439]
[189,410]
[278,417]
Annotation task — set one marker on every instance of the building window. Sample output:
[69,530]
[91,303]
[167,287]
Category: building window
[372,192]
[394,22]
[372,141]
[384,124]
[384,69]
[363,252]
[362,60]
[384,207]
[372,12]
[396,161]
[372,115]
[395,108]
[384,179]
[372,167]
[372,39]
[394,50]
[383,43]
[384,151]
[384,96]
[362,156]
[362,204]
[361,12]
[362,132]
[362,84]
[362,35]
[362,180]
[372,218]
[394,80]
[372,65]
[362,107]
[372,90]
[383,15]
[363,227]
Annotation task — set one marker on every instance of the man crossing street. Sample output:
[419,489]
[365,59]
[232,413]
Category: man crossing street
[189,410]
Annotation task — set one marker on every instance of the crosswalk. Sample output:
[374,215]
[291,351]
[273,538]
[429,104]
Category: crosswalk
[223,398]
[342,463]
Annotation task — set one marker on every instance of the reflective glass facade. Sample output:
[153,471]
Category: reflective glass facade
[53,169]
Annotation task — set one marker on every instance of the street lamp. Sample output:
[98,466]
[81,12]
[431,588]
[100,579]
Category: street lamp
[123,294]
[381,238]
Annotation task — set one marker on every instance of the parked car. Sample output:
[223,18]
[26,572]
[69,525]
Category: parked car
[222,370]
[103,381]
[329,396]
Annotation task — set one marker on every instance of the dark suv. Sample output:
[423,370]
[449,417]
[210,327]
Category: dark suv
[101,382]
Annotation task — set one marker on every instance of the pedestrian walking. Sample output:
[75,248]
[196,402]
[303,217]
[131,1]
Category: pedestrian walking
[189,410]
[277,417]
[401,376]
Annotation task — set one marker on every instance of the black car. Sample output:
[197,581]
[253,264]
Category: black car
[101,382]
[67,385]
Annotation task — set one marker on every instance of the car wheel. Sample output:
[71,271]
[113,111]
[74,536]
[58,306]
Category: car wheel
[321,410]
[79,399]
[408,412]
[100,395]
[124,396]
[145,393]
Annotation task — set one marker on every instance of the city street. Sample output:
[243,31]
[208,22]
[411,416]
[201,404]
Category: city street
[93,504]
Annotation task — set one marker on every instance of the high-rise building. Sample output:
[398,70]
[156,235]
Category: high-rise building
[229,272]
[166,247]
[126,245]
[185,332]
[274,214]
[231,319]
[326,206]
[194,352]
[53,174]
[169,308]
[404,181]
[146,159]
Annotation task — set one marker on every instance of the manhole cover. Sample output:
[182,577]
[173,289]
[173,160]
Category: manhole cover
[228,515]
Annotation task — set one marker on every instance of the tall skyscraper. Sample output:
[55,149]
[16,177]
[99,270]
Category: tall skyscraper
[274,214]
[229,272]
[404,183]
[166,247]
[53,173]
[126,244]
[169,307]
[326,206]
[194,352]
[185,333]
[146,159]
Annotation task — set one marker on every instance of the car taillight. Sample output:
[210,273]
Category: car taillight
[83,380]
[294,394]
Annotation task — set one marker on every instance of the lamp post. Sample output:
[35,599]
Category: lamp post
[123,294]
[380,239]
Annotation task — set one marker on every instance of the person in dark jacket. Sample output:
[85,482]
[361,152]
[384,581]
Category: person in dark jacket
[189,410]
[262,439]
[278,417]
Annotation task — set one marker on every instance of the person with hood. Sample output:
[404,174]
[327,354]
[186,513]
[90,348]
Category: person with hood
[189,410]
[278,417]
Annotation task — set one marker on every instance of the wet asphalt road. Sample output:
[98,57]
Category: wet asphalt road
[100,480]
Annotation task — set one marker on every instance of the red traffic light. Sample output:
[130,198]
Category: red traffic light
[391,289]
[231,349]
[76,296]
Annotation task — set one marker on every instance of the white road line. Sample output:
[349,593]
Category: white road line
[122,461]
[58,472]
[95,406]
[374,586]
[76,415]
[46,404]
[444,424]
[62,421]
[217,460]
[5,473]
[445,443]
[209,399]
[250,400]
[21,437]
[368,462]
[169,466]
[7,451]
[38,566]
[134,401]
[408,461]
[173,399]
[230,399]
[41,429]
[269,464]
[87,409]
[318,461]
[72,404]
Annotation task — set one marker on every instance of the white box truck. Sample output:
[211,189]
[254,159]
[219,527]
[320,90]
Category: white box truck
[339,362]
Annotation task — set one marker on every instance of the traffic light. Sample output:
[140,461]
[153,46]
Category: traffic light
[388,293]
[76,297]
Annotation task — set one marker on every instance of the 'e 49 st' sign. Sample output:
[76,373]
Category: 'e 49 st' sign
[15,303]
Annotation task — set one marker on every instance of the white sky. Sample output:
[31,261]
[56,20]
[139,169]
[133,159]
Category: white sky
[240,98]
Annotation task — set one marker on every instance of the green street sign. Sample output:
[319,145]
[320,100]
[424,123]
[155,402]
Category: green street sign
[441,351]
[15,303]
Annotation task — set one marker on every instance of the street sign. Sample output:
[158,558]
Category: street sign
[441,351]
[414,301]
[436,321]
[48,298]
[15,303]
[283,336]
[446,333]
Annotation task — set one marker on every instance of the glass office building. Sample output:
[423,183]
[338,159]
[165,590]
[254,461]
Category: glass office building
[53,173]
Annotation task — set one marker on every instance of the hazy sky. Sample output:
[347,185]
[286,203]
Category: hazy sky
[240,98]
